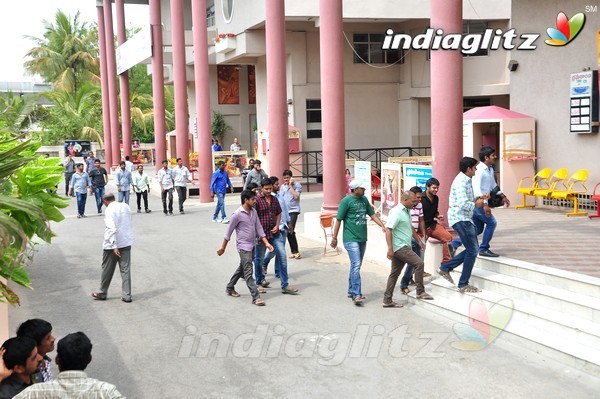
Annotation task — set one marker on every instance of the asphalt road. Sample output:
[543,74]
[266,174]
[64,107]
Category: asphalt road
[182,337]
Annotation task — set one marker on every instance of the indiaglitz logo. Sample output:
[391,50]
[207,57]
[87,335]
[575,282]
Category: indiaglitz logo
[484,325]
[566,29]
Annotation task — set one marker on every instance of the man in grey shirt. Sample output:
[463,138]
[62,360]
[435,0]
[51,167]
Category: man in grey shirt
[256,175]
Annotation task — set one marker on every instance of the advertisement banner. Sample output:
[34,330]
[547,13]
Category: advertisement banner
[349,173]
[77,148]
[416,175]
[362,171]
[390,186]
[235,162]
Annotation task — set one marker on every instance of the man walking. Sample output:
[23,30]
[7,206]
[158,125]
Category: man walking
[353,211]
[218,186]
[278,242]
[99,179]
[248,229]
[165,180]
[141,186]
[70,168]
[80,184]
[290,193]
[118,239]
[431,217]
[256,175]
[460,216]
[269,214]
[181,177]
[90,162]
[399,234]
[123,181]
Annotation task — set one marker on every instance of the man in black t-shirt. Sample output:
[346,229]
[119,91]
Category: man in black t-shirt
[99,179]
[431,216]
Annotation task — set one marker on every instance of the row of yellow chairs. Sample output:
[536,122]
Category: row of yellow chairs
[547,185]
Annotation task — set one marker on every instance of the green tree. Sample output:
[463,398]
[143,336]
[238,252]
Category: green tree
[75,116]
[218,126]
[67,55]
[27,205]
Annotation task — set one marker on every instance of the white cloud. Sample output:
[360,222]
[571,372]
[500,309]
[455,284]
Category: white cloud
[24,17]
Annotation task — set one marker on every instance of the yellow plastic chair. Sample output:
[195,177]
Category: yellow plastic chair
[574,186]
[557,179]
[539,181]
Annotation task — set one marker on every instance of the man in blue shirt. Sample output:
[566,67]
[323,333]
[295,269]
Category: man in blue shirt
[218,185]
[123,182]
[80,183]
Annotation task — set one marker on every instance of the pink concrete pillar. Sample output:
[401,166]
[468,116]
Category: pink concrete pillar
[180,85]
[277,113]
[332,103]
[111,69]
[104,89]
[202,81]
[446,99]
[124,82]
[158,84]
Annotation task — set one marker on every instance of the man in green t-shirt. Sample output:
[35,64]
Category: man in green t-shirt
[353,210]
[398,234]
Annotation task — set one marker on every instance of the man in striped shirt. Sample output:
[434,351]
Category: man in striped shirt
[460,217]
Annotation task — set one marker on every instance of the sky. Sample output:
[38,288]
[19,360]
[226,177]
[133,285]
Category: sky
[24,17]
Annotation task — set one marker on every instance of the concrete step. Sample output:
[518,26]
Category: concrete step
[551,277]
[562,301]
[527,327]
[537,317]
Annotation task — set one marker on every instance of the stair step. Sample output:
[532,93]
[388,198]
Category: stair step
[548,343]
[566,302]
[548,276]
[541,317]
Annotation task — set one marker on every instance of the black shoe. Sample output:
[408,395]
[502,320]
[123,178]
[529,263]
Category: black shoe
[126,300]
[148,211]
[139,211]
[166,213]
[488,254]
[182,212]
[171,214]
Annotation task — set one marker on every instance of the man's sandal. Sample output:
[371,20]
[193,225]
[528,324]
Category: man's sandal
[232,293]
[259,302]
[289,290]
[392,305]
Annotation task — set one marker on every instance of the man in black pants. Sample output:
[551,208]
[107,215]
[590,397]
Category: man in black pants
[290,191]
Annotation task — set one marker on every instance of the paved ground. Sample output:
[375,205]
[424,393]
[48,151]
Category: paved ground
[315,344]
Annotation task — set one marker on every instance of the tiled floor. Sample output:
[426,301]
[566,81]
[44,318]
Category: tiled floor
[548,237]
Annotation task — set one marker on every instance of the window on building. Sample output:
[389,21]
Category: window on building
[367,50]
[473,102]
[210,15]
[475,27]
[313,119]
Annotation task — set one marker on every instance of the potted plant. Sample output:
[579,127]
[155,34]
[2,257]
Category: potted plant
[218,126]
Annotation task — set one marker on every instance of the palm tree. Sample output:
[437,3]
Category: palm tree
[66,55]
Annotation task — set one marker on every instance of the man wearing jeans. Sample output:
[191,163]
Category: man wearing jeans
[99,179]
[353,210]
[248,229]
[123,182]
[80,183]
[279,245]
[460,217]
[218,186]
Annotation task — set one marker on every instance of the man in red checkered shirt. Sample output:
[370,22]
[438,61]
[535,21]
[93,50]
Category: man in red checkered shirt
[269,213]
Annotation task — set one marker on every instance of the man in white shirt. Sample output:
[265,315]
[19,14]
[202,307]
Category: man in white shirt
[141,186]
[235,146]
[129,165]
[165,180]
[181,177]
[118,238]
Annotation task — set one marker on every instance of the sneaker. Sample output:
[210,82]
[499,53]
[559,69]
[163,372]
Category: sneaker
[225,221]
[446,275]
[215,221]
[468,288]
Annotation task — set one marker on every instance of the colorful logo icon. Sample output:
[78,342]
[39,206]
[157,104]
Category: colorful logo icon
[566,29]
[484,325]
